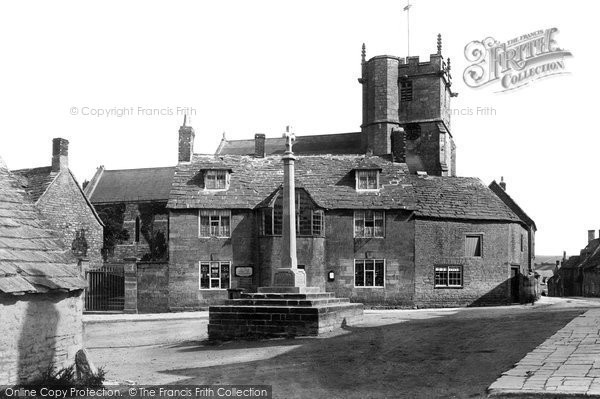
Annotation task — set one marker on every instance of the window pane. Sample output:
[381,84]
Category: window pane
[372,179]
[359,273]
[473,246]
[278,220]
[224,226]
[204,226]
[204,283]
[379,273]
[441,276]
[369,278]
[454,276]
[268,221]
[317,223]
[378,228]
[359,224]
[214,283]
[224,275]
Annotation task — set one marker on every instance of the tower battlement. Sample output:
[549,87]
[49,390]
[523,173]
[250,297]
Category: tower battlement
[405,94]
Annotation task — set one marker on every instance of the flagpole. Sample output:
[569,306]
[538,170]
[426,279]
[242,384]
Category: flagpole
[407,9]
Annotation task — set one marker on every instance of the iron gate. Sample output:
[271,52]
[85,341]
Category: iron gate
[106,288]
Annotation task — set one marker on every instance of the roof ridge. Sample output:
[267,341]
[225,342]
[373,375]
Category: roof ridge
[132,169]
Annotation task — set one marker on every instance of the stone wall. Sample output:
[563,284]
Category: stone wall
[186,250]
[152,287]
[397,248]
[486,279]
[38,331]
[65,207]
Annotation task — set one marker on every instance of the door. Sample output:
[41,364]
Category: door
[514,284]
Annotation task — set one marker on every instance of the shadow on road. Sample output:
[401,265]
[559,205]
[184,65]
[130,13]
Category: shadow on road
[459,355]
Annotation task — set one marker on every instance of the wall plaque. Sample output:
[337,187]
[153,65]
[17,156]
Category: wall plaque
[244,271]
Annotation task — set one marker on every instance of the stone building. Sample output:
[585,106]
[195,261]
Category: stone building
[381,216]
[57,194]
[579,275]
[132,204]
[40,290]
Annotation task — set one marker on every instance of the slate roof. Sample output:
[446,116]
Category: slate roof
[335,144]
[32,258]
[36,181]
[130,185]
[330,181]
[459,198]
[503,195]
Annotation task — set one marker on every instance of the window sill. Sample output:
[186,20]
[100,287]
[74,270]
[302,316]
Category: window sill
[441,287]
[214,237]
[213,289]
[369,237]
[369,286]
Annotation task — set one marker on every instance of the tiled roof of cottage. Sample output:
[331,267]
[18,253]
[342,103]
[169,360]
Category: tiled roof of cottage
[340,143]
[36,181]
[32,258]
[130,185]
[330,181]
[571,263]
[459,198]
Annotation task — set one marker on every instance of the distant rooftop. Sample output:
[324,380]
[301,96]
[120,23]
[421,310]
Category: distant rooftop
[334,144]
[130,185]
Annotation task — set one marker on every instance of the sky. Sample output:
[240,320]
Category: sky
[115,78]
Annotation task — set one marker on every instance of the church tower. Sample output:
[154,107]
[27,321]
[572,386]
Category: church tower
[406,111]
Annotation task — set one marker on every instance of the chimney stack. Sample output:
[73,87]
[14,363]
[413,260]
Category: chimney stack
[591,235]
[186,142]
[502,183]
[399,144]
[259,145]
[60,154]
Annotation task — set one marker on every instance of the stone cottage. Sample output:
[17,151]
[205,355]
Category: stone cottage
[40,290]
[381,216]
[58,196]
[579,275]
[132,204]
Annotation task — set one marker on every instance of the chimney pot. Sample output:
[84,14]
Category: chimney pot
[591,235]
[502,183]
[259,145]
[60,154]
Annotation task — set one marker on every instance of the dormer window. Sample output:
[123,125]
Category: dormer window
[367,179]
[216,179]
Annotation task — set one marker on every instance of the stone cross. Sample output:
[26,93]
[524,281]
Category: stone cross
[289,139]
[288,278]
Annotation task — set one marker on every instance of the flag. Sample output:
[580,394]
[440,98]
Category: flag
[407,7]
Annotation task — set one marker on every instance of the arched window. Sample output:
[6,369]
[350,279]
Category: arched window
[137,229]
[309,219]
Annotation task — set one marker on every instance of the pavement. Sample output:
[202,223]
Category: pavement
[565,365]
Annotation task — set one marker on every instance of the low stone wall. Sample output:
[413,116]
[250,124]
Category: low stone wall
[38,331]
